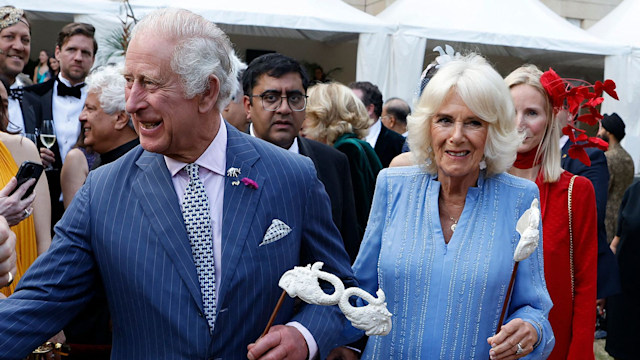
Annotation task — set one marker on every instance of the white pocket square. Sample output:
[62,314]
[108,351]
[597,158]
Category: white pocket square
[276,231]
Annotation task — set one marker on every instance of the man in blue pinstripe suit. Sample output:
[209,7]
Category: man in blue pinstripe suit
[126,224]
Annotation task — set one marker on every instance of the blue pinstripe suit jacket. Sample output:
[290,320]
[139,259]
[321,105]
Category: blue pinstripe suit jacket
[125,225]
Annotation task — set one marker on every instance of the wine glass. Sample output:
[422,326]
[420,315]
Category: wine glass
[47,136]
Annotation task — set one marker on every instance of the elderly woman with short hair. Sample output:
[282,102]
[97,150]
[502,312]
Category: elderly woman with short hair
[442,234]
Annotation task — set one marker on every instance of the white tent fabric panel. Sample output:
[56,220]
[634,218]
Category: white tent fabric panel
[522,23]
[525,28]
[63,10]
[625,71]
[621,26]
[324,20]
[390,62]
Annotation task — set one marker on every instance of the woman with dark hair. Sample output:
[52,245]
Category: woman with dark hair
[54,67]
[41,73]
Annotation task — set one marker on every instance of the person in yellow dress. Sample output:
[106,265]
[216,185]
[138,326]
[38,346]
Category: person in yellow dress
[29,218]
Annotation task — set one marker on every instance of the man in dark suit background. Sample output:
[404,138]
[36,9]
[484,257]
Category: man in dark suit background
[195,278]
[61,100]
[279,76]
[394,115]
[387,143]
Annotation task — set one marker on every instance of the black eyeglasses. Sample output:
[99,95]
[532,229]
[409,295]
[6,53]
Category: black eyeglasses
[272,100]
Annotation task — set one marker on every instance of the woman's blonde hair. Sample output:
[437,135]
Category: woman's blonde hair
[483,91]
[549,147]
[332,110]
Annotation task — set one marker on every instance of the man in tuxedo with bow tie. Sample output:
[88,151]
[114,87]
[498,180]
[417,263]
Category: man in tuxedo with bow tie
[15,47]
[191,231]
[62,99]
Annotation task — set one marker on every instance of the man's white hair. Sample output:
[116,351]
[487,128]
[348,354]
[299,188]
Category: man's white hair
[201,50]
[107,82]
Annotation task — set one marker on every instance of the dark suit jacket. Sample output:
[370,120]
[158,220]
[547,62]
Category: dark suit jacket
[598,173]
[388,145]
[333,171]
[44,93]
[125,226]
[30,106]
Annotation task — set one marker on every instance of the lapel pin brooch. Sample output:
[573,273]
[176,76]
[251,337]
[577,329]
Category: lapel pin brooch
[233,172]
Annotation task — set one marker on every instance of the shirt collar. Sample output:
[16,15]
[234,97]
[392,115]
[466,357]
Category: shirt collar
[67,82]
[563,140]
[16,84]
[214,158]
[374,131]
[294,148]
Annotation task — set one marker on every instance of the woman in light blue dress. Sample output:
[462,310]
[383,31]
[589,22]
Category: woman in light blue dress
[441,235]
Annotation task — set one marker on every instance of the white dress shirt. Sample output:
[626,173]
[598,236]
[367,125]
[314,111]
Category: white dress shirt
[374,132]
[212,172]
[16,121]
[66,111]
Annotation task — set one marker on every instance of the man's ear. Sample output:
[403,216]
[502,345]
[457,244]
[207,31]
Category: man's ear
[392,121]
[121,121]
[56,53]
[209,97]
[247,106]
[370,110]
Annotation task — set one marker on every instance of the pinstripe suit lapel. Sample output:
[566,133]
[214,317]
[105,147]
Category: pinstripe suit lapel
[154,188]
[240,203]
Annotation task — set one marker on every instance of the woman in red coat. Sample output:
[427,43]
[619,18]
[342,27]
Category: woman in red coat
[570,244]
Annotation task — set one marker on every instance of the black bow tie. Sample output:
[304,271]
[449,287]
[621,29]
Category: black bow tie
[64,90]
[16,94]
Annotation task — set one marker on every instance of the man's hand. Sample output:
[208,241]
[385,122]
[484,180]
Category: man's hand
[47,156]
[7,252]
[282,342]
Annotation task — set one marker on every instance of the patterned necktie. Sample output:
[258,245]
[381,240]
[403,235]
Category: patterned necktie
[197,217]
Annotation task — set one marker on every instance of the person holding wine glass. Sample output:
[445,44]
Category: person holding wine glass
[62,99]
[47,136]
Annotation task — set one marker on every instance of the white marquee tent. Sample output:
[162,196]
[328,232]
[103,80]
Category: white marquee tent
[327,21]
[621,26]
[306,19]
[525,29]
